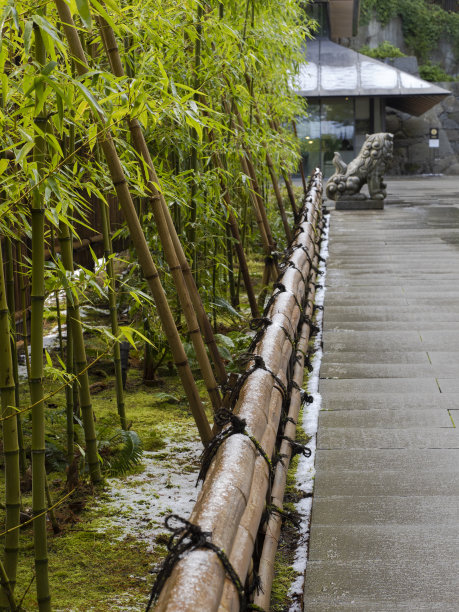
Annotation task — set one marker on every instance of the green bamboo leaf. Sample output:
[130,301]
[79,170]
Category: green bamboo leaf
[92,136]
[3,165]
[46,27]
[28,29]
[84,12]
[49,361]
[4,88]
[90,98]
[46,70]
[103,13]
[23,152]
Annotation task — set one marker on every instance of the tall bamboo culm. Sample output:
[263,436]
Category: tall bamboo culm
[108,252]
[14,353]
[157,200]
[138,238]
[36,362]
[164,234]
[10,450]
[80,362]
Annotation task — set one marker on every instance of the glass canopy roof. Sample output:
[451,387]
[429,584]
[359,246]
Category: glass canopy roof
[332,70]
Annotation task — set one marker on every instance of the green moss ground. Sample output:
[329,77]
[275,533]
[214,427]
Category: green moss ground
[91,566]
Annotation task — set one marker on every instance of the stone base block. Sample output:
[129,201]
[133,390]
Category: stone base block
[359,204]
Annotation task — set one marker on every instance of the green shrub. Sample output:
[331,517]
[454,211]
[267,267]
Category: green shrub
[424,24]
[434,72]
[383,50]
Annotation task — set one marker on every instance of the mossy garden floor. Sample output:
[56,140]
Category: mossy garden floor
[112,536]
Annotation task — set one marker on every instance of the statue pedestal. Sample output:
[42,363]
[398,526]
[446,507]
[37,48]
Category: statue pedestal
[349,204]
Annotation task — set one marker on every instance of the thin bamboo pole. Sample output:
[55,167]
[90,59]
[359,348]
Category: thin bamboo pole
[272,171]
[10,449]
[36,361]
[194,146]
[234,227]
[79,365]
[254,179]
[170,251]
[287,178]
[138,237]
[14,352]
[22,289]
[280,203]
[69,391]
[303,178]
[108,252]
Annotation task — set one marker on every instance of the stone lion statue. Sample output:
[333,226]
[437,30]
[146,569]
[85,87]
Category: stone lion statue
[368,167]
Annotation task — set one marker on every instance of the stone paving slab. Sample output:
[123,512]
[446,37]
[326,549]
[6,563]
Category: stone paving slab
[383,581]
[354,437]
[391,341]
[414,323]
[443,357]
[375,459]
[378,385]
[387,370]
[377,341]
[360,604]
[386,418]
[361,542]
[399,401]
[388,483]
[438,510]
[374,356]
[448,385]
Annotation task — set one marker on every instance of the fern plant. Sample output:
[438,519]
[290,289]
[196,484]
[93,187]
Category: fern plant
[127,456]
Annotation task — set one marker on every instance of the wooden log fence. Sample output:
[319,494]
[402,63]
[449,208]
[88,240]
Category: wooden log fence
[215,556]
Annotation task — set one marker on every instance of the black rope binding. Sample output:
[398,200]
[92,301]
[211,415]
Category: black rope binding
[306,398]
[297,448]
[258,362]
[236,426]
[286,516]
[186,538]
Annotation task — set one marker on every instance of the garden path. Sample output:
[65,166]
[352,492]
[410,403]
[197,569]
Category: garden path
[385,517]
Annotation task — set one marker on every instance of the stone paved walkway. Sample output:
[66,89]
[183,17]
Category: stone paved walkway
[385,518]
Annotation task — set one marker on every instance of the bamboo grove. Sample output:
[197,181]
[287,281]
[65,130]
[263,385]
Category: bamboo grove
[182,115]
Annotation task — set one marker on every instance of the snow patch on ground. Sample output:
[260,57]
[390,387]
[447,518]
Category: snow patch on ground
[138,504]
[306,471]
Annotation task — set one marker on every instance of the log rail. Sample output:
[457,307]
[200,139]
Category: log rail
[235,543]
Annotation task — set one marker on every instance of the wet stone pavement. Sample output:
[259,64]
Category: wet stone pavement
[385,517]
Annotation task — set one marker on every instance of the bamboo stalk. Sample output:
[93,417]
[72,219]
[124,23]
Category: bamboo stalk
[280,203]
[14,353]
[287,178]
[194,146]
[22,289]
[10,449]
[254,179]
[108,252]
[270,271]
[272,172]
[36,361]
[165,234]
[303,178]
[69,391]
[138,237]
[79,365]
[234,227]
